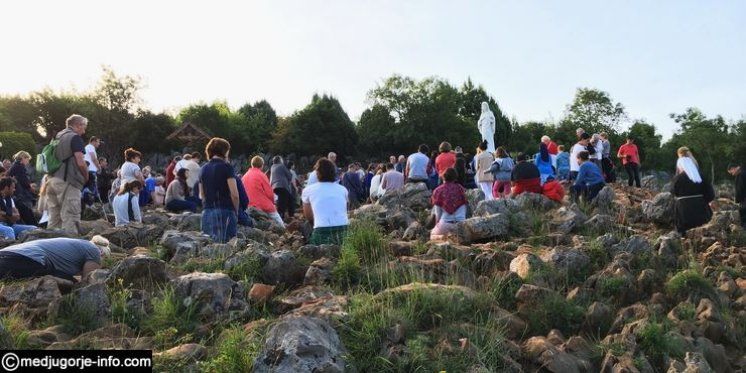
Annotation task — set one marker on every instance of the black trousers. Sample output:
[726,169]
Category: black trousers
[608,168]
[742,214]
[284,199]
[633,173]
[16,266]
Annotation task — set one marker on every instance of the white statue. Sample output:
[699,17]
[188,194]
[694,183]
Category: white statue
[486,125]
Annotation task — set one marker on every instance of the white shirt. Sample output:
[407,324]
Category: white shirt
[576,149]
[328,203]
[599,150]
[194,172]
[128,171]
[121,215]
[312,178]
[417,163]
[90,154]
[375,186]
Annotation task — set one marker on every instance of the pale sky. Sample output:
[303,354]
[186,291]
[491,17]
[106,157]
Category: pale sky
[656,57]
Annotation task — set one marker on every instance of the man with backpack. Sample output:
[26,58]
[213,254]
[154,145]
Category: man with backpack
[64,162]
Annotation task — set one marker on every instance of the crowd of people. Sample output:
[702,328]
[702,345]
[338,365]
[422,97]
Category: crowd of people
[78,176]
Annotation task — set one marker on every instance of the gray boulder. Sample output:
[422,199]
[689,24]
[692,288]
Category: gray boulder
[496,206]
[483,228]
[634,245]
[214,294]
[566,259]
[660,209]
[604,201]
[415,196]
[534,201]
[182,244]
[187,222]
[568,219]
[139,271]
[282,267]
[94,298]
[301,344]
[133,235]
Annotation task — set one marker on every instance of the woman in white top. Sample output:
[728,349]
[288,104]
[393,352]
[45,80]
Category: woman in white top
[325,204]
[125,204]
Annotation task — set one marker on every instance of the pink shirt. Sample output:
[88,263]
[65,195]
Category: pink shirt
[259,191]
[628,153]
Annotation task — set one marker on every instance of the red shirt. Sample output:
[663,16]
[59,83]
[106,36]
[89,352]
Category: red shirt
[553,190]
[445,161]
[259,191]
[628,153]
[170,173]
[552,148]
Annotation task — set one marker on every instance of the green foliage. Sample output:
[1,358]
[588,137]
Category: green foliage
[503,290]
[13,331]
[428,316]
[648,143]
[236,350]
[699,133]
[552,312]
[367,239]
[689,282]
[13,142]
[598,255]
[170,321]
[594,111]
[248,269]
[347,271]
[200,264]
[261,123]
[324,121]
[120,311]
[657,344]
[611,286]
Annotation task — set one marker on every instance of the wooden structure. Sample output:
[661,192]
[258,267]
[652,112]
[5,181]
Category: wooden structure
[189,134]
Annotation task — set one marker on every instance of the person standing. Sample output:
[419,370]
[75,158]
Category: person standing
[9,215]
[693,196]
[607,165]
[502,170]
[630,157]
[375,183]
[551,145]
[737,171]
[66,183]
[589,180]
[580,146]
[219,192]
[280,179]
[401,163]
[24,195]
[105,177]
[416,166]
[91,156]
[563,164]
[483,162]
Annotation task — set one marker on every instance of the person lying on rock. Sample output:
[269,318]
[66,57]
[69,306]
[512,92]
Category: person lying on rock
[589,181]
[59,257]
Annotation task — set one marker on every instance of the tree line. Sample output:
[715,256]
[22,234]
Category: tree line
[403,112]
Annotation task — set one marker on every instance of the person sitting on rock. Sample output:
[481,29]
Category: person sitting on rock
[126,208]
[59,257]
[9,214]
[525,176]
[260,192]
[693,195]
[544,162]
[391,179]
[502,169]
[325,204]
[589,181]
[553,190]
[449,205]
[178,193]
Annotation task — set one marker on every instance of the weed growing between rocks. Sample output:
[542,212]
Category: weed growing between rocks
[235,350]
[689,283]
[554,312]
[13,331]
[76,317]
[170,322]
[657,344]
[121,312]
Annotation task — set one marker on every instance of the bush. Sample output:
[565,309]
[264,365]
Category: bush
[13,142]
[236,350]
[367,240]
[657,344]
[75,317]
[170,321]
[689,282]
[553,312]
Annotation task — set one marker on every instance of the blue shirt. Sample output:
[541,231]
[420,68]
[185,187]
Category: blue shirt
[150,184]
[65,255]
[214,183]
[589,174]
[563,161]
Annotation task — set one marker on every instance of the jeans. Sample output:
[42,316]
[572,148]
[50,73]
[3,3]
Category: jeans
[13,231]
[220,224]
[633,173]
[177,205]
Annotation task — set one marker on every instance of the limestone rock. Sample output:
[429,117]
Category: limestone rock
[496,206]
[214,294]
[568,219]
[94,298]
[35,293]
[415,196]
[139,271]
[483,228]
[660,209]
[524,265]
[282,267]
[301,344]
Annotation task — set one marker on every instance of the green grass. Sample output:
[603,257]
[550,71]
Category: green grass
[657,344]
[170,322]
[428,317]
[685,311]
[208,265]
[367,239]
[120,312]
[689,282]
[14,331]
[598,255]
[248,269]
[348,270]
[503,289]
[76,317]
[554,312]
[610,287]
[235,350]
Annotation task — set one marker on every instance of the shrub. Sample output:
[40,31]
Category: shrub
[503,291]
[13,331]
[657,344]
[76,317]
[689,282]
[236,350]
[248,269]
[366,238]
[611,286]
[554,311]
[13,142]
[347,271]
[170,321]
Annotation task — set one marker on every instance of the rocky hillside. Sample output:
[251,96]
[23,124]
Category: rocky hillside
[528,285]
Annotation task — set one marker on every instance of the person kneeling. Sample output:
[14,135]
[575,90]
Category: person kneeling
[59,257]
[125,204]
[325,204]
[449,205]
[525,177]
[553,190]
[589,181]
[9,215]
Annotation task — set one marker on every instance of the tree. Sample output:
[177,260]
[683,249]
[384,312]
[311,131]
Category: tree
[471,108]
[261,123]
[648,143]
[708,139]
[148,132]
[594,111]
[320,127]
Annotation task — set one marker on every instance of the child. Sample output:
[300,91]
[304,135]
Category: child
[159,196]
[553,190]
[563,163]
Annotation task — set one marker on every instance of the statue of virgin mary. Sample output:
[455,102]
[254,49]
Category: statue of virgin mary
[486,125]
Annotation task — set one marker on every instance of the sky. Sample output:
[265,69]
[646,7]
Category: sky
[655,57]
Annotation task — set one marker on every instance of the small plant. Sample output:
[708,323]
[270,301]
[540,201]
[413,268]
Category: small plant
[76,317]
[119,297]
[503,291]
[366,238]
[170,319]
[208,265]
[248,269]
[685,311]
[554,311]
[13,331]
[347,271]
[687,283]
[598,255]
[657,344]
[236,350]
[610,287]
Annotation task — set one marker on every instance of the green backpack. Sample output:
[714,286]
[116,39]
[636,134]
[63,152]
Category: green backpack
[46,161]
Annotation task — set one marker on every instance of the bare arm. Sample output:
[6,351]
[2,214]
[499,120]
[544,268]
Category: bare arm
[94,159]
[233,188]
[308,212]
[89,267]
[80,161]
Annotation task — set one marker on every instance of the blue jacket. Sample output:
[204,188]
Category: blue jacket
[589,174]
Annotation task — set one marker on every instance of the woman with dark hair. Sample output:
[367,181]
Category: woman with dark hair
[449,205]
[219,192]
[130,169]
[693,195]
[432,171]
[280,179]
[543,162]
[178,194]
[24,195]
[125,204]
[525,177]
[325,204]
